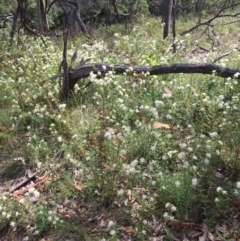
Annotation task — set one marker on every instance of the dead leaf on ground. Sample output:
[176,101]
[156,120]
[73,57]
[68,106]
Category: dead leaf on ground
[167,90]
[130,197]
[210,237]
[77,186]
[219,175]
[12,61]
[127,229]
[115,142]
[158,125]
[222,228]
[202,238]
[180,224]
[3,128]
[193,234]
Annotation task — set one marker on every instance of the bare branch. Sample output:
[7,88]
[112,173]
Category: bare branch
[101,69]
[218,15]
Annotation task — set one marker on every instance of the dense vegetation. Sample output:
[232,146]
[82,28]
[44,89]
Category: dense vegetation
[127,158]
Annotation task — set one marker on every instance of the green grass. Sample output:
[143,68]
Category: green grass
[103,165]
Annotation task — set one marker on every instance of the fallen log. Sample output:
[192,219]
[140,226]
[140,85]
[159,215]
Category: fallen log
[84,70]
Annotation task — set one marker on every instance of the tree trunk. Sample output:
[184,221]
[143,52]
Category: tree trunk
[174,25]
[167,12]
[199,4]
[42,24]
[14,25]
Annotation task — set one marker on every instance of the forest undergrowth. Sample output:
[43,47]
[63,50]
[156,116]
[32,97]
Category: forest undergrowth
[128,158]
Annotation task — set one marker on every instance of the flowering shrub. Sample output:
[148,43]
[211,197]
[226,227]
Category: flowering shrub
[131,148]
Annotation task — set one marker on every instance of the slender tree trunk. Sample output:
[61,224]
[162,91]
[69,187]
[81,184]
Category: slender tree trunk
[174,25]
[79,19]
[42,24]
[199,4]
[14,25]
[167,12]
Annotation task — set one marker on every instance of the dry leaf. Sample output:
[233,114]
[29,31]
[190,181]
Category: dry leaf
[115,142]
[12,61]
[3,128]
[130,197]
[219,175]
[180,224]
[158,125]
[202,238]
[167,90]
[127,229]
[139,75]
[210,237]
[222,228]
[78,187]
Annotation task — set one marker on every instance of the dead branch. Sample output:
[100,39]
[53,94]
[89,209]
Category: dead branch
[221,56]
[218,15]
[83,70]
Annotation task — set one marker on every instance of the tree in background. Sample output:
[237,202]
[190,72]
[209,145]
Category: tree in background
[167,13]
[42,23]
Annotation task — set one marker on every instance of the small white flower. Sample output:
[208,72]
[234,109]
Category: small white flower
[62,106]
[159,103]
[194,182]
[181,155]
[165,215]
[208,155]
[142,160]
[206,161]
[190,149]
[112,232]
[159,174]
[194,167]
[216,200]
[236,192]
[173,208]
[31,190]
[208,147]
[169,117]
[36,193]
[213,134]
[177,183]
[120,192]
[59,139]
[183,145]
[22,200]
[219,189]
[167,205]
[12,224]
[236,75]
[238,185]
[109,133]
[220,105]
[165,95]
[111,224]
